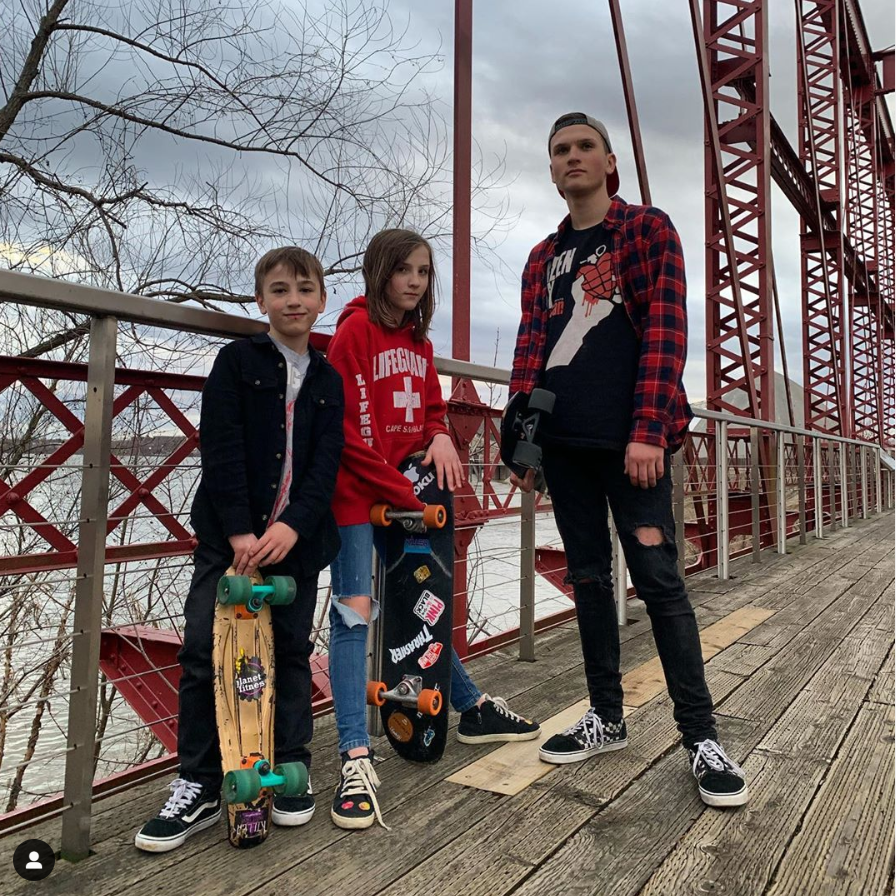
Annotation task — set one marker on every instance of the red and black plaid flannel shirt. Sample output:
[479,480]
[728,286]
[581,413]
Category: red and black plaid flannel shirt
[649,268]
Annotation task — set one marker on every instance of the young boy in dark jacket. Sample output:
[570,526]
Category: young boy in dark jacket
[271,436]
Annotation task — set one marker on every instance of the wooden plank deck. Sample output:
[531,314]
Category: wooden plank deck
[804,701]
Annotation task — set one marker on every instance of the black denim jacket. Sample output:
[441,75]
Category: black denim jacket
[242,434]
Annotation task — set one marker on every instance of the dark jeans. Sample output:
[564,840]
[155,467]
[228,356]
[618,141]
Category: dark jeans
[197,735]
[581,481]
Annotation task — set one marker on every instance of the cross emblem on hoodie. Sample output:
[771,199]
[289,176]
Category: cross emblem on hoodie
[409,399]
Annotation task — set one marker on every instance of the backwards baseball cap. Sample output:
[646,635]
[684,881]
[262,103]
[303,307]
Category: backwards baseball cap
[572,118]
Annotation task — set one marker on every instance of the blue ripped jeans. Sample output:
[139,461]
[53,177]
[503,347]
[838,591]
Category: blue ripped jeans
[351,574]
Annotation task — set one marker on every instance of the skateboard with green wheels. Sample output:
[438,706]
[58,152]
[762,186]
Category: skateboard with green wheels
[243,657]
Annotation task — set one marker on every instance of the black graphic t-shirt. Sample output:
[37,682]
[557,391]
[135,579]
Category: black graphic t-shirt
[591,348]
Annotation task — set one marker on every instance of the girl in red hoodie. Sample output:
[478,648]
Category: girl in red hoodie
[393,407]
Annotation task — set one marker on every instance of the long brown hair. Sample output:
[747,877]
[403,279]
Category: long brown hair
[385,252]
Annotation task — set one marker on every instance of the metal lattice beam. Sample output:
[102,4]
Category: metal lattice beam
[820,115]
[739,318]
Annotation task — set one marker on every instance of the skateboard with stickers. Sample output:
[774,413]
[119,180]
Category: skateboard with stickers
[415,584]
[243,661]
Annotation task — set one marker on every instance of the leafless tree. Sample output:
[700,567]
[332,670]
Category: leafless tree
[157,147]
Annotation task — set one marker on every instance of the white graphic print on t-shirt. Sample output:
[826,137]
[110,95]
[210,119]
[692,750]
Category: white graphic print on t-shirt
[594,294]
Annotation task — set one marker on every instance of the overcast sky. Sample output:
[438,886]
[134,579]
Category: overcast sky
[529,67]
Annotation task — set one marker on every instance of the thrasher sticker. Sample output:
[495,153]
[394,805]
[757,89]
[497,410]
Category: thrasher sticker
[397,654]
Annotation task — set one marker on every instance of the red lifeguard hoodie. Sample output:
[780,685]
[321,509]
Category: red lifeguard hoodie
[393,407]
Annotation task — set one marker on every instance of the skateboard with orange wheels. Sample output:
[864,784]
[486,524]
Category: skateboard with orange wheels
[243,659]
[415,583]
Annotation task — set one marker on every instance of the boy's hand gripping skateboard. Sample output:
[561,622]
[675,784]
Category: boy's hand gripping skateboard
[416,584]
[243,658]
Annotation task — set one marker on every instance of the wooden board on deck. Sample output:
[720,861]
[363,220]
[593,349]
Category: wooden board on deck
[514,766]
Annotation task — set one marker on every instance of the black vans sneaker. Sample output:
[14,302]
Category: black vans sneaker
[355,805]
[721,782]
[190,808]
[291,811]
[589,736]
[494,722]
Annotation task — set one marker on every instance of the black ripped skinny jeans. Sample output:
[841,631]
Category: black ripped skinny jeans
[581,482]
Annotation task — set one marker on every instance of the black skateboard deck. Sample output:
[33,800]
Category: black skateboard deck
[416,584]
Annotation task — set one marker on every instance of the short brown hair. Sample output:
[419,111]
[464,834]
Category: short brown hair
[386,251]
[301,262]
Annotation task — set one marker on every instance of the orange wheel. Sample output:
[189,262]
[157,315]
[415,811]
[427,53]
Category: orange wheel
[434,516]
[378,515]
[429,702]
[375,691]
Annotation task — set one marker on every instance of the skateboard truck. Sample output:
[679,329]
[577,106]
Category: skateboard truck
[433,516]
[276,590]
[409,692]
[243,785]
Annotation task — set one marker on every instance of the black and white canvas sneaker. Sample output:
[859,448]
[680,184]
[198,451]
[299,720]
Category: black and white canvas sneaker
[588,737]
[291,811]
[721,781]
[190,808]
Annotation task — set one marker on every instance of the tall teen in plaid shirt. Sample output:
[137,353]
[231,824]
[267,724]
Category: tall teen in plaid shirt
[604,327]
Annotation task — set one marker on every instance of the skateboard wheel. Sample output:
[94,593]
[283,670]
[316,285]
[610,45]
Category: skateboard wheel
[284,590]
[375,691]
[296,775]
[434,516]
[378,515]
[429,702]
[527,454]
[241,786]
[542,400]
[234,589]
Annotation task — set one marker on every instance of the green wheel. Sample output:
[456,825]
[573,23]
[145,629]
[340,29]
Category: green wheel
[234,589]
[296,775]
[241,786]
[284,590]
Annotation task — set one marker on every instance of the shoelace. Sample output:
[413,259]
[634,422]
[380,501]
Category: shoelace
[712,755]
[590,727]
[182,794]
[360,778]
[501,705]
